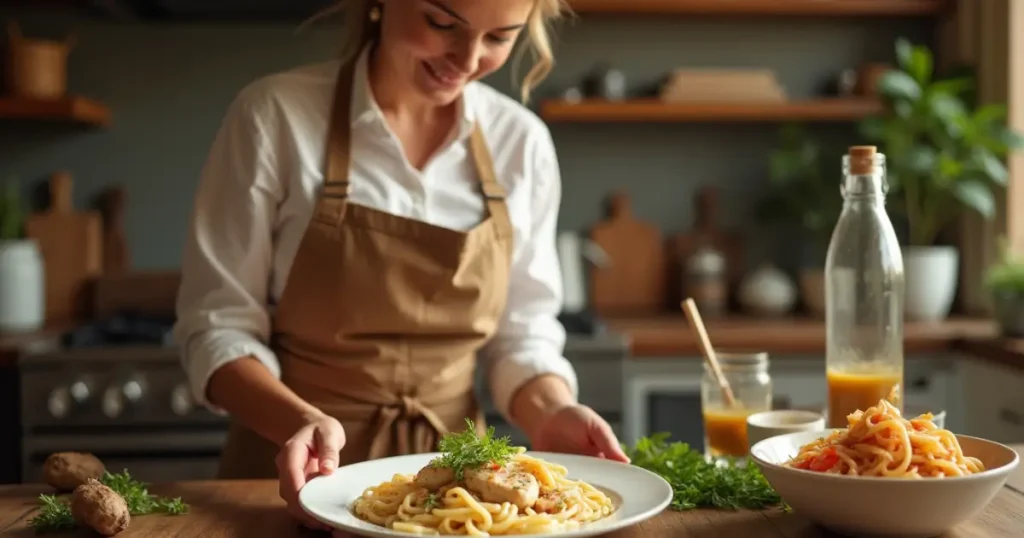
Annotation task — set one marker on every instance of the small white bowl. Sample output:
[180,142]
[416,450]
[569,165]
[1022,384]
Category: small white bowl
[761,426]
[875,506]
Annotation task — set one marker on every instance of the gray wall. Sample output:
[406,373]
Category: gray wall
[168,86]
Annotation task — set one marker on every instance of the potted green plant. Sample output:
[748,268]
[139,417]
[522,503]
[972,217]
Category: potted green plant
[22,304]
[944,155]
[803,176]
[1005,282]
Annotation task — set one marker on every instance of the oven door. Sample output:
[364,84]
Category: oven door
[148,457]
[658,403]
[671,403]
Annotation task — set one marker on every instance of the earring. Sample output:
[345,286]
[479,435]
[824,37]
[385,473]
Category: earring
[375,13]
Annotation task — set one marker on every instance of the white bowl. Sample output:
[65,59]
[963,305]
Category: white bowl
[875,506]
[761,426]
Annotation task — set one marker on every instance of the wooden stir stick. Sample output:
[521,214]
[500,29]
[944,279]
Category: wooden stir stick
[690,308]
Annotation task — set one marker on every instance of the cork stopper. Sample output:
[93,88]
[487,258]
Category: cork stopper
[862,159]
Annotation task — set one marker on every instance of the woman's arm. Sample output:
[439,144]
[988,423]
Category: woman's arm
[529,377]
[222,315]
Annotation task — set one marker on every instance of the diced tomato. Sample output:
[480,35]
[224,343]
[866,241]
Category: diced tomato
[825,461]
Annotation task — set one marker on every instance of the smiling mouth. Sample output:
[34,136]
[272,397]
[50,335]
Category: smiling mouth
[442,79]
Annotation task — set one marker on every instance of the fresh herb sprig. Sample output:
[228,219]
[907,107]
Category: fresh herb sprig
[467,450]
[55,512]
[697,483]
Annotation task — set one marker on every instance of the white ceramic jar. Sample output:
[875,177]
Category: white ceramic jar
[22,286]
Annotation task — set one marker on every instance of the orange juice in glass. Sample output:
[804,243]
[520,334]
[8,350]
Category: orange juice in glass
[860,386]
[725,427]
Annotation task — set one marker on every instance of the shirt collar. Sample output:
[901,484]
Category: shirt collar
[364,108]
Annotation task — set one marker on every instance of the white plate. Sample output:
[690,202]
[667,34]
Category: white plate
[637,494]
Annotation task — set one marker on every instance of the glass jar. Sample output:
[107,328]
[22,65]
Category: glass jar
[725,428]
[864,286]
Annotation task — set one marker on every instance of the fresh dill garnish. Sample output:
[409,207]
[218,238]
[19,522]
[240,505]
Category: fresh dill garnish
[55,513]
[432,502]
[697,483]
[467,450]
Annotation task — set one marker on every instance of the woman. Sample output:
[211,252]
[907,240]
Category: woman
[363,231]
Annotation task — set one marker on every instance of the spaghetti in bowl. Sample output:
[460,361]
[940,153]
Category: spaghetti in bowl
[885,475]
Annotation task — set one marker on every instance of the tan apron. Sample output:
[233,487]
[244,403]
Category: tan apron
[382,316]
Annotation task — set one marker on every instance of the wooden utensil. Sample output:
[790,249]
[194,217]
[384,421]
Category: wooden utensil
[71,245]
[116,259]
[633,281]
[693,315]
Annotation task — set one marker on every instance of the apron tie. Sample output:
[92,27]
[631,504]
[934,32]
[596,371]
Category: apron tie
[404,416]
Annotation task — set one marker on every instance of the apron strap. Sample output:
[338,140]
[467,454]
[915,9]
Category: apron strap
[494,193]
[330,207]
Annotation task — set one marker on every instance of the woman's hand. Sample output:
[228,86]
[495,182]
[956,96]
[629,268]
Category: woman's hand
[311,451]
[577,429]
[545,409]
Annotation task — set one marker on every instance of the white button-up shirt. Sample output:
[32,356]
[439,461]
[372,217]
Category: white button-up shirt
[258,188]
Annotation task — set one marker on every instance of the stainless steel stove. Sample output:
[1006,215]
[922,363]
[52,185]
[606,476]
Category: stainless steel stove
[129,404]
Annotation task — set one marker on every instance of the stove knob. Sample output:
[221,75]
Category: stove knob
[116,397]
[59,402]
[134,389]
[113,402]
[81,390]
[181,400]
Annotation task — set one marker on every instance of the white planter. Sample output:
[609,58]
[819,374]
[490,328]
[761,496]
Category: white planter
[22,287]
[931,281]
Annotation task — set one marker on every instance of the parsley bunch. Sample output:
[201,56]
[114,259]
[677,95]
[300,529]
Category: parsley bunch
[697,483]
[467,450]
[55,513]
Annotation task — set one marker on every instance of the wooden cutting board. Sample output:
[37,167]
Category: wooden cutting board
[71,245]
[633,281]
[145,293]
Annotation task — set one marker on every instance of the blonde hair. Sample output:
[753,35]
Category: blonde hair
[358,31]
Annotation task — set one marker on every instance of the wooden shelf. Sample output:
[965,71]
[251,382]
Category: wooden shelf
[654,110]
[69,109]
[826,8]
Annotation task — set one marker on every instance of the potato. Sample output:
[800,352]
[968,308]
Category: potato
[100,508]
[68,470]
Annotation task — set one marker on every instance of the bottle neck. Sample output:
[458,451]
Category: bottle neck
[866,189]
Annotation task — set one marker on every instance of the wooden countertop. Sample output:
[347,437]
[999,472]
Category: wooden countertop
[671,335]
[222,509]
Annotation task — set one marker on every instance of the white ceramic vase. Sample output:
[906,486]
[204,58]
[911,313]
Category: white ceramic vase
[22,286]
[931,275]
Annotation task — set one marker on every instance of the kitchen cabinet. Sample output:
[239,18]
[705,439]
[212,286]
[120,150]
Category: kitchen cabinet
[993,400]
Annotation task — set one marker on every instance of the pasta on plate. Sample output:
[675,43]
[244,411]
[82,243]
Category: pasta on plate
[880,442]
[481,486]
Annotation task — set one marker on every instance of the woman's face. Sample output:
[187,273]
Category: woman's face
[437,46]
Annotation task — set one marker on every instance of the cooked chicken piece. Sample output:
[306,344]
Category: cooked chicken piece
[432,478]
[503,484]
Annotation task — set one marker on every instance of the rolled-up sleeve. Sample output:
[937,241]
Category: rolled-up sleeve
[530,340]
[222,312]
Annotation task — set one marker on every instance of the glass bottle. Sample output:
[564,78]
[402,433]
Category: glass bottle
[725,428]
[863,294]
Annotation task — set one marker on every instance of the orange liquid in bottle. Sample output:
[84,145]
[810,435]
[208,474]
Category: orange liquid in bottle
[849,392]
[726,432]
